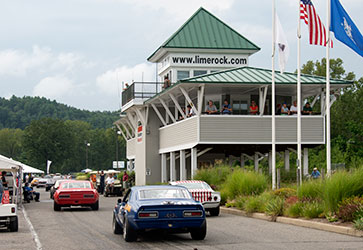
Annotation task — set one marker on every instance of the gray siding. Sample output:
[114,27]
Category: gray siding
[178,134]
[130,148]
[250,129]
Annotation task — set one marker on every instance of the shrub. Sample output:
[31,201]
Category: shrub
[284,192]
[313,209]
[311,190]
[358,223]
[244,183]
[351,208]
[291,201]
[254,204]
[294,210]
[342,185]
[240,202]
[224,196]
[275,207]
[214,176]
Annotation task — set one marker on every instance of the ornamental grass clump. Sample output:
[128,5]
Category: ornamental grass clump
[311,190]
[313,209]
[342,185]
[214,176]
[245,183]
[275,207]
[294,210]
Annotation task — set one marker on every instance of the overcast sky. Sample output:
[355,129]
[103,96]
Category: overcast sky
[79,51]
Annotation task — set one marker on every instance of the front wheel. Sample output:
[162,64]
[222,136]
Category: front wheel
[214,211]
[13,226]
[56,207]
[199,233]
[117,229]
[129,233]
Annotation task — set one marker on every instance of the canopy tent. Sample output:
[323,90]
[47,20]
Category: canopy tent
[7,164]
[87,170]
[30,170]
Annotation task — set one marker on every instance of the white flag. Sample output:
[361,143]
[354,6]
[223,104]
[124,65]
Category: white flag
[48,166]
[281,42]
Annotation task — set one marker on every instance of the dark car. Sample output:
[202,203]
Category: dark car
[169,208]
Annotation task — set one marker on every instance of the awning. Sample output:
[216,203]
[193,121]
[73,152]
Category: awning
[7,164]
[30,170]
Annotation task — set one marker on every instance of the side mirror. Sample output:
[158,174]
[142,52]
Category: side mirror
[119,201]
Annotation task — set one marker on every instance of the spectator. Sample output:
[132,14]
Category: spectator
[181,117]
[102,182]
[226,108]
[3,179]
[253,108]
[211,108]
[109,183]
[278,109]
[125,179]
[167,82]
[293,109]
[284,109]
[307,110]
[31,191]
[315,174]
[93,179]
[1,190]
[190,111]
[126,86]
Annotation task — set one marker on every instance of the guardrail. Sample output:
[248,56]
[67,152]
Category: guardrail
[141,91]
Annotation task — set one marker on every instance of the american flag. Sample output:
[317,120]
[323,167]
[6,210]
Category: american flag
[317,32]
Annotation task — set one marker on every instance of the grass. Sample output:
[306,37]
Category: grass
[311,190]
[313,209]
[295,210]
[214,176]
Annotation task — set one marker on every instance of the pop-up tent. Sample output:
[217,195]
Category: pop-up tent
[30,170]
[14,167]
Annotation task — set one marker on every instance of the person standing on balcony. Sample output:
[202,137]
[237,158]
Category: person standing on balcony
[253,108]
[167,82]
[211,108]
[284,109]
[190,111]
[307,110]
[293,109]
[226,108]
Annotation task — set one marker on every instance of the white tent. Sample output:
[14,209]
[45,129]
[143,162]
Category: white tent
[8,164]
[28,169]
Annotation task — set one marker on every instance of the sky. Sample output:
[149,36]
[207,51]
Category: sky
[78,52]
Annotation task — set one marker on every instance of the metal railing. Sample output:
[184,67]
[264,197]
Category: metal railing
[141,91]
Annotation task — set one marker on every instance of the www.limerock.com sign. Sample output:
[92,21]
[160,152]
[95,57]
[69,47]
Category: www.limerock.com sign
[206,60]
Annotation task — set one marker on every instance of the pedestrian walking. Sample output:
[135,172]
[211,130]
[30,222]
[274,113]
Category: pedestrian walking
[102,182]
[125,179]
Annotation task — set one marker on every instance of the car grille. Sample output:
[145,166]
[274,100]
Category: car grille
[201,195]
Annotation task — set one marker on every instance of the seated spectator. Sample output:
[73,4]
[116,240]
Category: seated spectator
[307,110]
[226,108]
[190,111]
[315,174]
[293,109]
[278,109]
[284,109]
[253,108]
[31,191]
[211,108]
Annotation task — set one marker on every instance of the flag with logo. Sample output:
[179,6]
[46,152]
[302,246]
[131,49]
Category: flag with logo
[317,32]
[48,165]
[281,42]
[344,28]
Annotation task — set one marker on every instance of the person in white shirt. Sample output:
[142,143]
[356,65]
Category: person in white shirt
[109,183]
[293,109]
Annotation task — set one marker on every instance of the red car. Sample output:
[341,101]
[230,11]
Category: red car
[76,193]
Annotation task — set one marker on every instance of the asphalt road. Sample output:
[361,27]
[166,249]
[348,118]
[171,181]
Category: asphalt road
[82,228]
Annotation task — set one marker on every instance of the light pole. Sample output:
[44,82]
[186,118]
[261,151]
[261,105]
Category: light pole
[87,145]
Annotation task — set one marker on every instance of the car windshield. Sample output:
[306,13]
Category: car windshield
[164,194]
[75,184]
[195,185]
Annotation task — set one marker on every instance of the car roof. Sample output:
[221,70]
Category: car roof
[136,188]
[187,181]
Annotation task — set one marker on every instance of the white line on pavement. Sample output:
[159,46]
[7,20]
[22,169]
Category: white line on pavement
[32,230]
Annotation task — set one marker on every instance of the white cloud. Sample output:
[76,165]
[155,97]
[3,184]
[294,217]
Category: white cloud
[54,87]
[110,81]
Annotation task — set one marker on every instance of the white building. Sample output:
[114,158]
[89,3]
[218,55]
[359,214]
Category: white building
[207,60]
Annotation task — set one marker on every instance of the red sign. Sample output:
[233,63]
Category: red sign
[6,197]
[139,132]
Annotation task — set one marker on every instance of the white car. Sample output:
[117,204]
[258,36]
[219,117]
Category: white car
[202,192]
[8,217]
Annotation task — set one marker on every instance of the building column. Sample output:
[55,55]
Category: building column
[270,162]
[164,178]
[183,170]
[172,167]
[287,160]
[256,162]
[242,160]
[194,162]
[306,161]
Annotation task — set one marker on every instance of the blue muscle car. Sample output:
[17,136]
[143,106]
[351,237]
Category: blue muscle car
[170,208]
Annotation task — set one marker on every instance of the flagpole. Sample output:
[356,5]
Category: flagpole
[327,97]
[299,97]
[273,98]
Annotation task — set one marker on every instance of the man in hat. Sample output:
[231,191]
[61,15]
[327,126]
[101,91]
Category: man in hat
[315,174]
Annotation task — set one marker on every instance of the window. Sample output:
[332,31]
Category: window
[199,72]
[163,194]
[181,74]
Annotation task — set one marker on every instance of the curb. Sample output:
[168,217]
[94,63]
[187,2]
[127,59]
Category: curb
[296,222]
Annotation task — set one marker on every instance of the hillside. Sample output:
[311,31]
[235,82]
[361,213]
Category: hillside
[18,112]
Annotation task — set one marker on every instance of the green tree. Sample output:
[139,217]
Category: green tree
[10,142]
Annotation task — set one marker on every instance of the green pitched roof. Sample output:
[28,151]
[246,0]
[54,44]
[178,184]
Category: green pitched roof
[250,75]
[205,31]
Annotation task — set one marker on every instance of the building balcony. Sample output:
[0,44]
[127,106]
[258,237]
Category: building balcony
[239,129]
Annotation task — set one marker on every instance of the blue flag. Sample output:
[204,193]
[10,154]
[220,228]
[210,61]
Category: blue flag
[344,29]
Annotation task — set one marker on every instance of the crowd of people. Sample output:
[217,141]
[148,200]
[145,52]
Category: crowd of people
[285,109]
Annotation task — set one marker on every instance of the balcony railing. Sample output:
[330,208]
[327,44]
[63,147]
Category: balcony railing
[141,91]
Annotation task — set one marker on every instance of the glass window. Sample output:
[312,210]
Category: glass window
[76,184]
[195,185]
[164,193]
[199,72]
[181,74]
